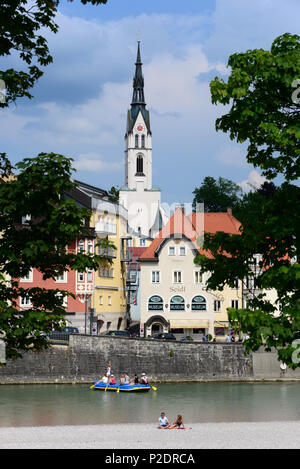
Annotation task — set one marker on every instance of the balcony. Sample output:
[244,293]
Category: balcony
[107,252]
[126,256]
[104,229]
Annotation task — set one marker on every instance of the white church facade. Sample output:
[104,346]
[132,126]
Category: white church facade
[146,216]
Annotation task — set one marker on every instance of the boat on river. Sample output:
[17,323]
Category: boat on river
[98,385]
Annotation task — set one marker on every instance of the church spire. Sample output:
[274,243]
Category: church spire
[138,98]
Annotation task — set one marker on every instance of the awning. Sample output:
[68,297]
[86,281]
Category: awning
[221,323]
[188,324]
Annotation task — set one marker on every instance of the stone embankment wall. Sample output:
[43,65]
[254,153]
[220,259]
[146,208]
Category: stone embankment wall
[86,357]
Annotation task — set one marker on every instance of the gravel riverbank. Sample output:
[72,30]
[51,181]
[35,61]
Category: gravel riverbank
[284,435]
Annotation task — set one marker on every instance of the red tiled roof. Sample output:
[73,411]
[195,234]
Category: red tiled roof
[192,226]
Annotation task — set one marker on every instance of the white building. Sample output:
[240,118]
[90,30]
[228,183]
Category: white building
[174,294]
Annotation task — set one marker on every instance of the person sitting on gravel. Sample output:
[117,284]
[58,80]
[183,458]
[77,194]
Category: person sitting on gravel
[178,423]
[163,422]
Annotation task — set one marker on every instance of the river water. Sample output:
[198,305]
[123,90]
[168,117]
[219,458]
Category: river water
[35,405]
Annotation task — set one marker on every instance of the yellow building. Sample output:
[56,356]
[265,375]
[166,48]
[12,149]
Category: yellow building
[109,301]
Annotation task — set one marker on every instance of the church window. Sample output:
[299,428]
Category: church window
[139,164]
[143,141]
[136,141]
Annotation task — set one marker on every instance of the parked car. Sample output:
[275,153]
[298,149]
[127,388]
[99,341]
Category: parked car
[118,333]
[64,334]
[164,336]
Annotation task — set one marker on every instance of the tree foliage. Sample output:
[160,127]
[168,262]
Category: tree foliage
[262,111]
[55,221]
[21,23]
[217,195]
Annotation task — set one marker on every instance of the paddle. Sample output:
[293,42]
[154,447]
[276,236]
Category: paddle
[92,386]
[153,387]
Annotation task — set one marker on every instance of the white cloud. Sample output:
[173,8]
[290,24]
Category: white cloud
[93,162]
[232,156]
[254,181]
[81,102]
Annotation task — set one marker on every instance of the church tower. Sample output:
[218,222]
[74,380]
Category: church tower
[138,137]
[145,214]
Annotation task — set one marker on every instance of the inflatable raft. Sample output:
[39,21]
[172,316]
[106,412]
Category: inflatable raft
[98,385]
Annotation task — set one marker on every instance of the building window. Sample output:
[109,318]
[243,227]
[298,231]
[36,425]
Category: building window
[197,276]
[90,247]
[143,141]
[142,242]
[198,303]
[182,251]
[171,251]
[81,246]
[100,300]
[177,303]
[136,141]
[155,276]
[235,304]
[236,283]
[90,276]
[61,278]
[139,165]
[106,272]
[80,276]
[27,277]
[217,306]
[26,220]
[63,298]
[155,303]
[119,323]
[177,276]
[109,300]
[25,301]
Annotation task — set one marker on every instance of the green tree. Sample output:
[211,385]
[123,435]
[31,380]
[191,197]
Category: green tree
[263,112]
[55,221]
[21,23]
[217,195]
[113,194]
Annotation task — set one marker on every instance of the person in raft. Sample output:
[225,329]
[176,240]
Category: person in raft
[112,380]
[144,379]
[104,379]
[178,423]
[163,422]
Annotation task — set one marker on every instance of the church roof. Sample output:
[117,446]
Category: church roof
[138,103]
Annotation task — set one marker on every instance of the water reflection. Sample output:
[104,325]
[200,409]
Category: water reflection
[198,402]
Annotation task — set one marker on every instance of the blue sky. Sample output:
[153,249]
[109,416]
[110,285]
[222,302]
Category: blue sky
[80,103]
